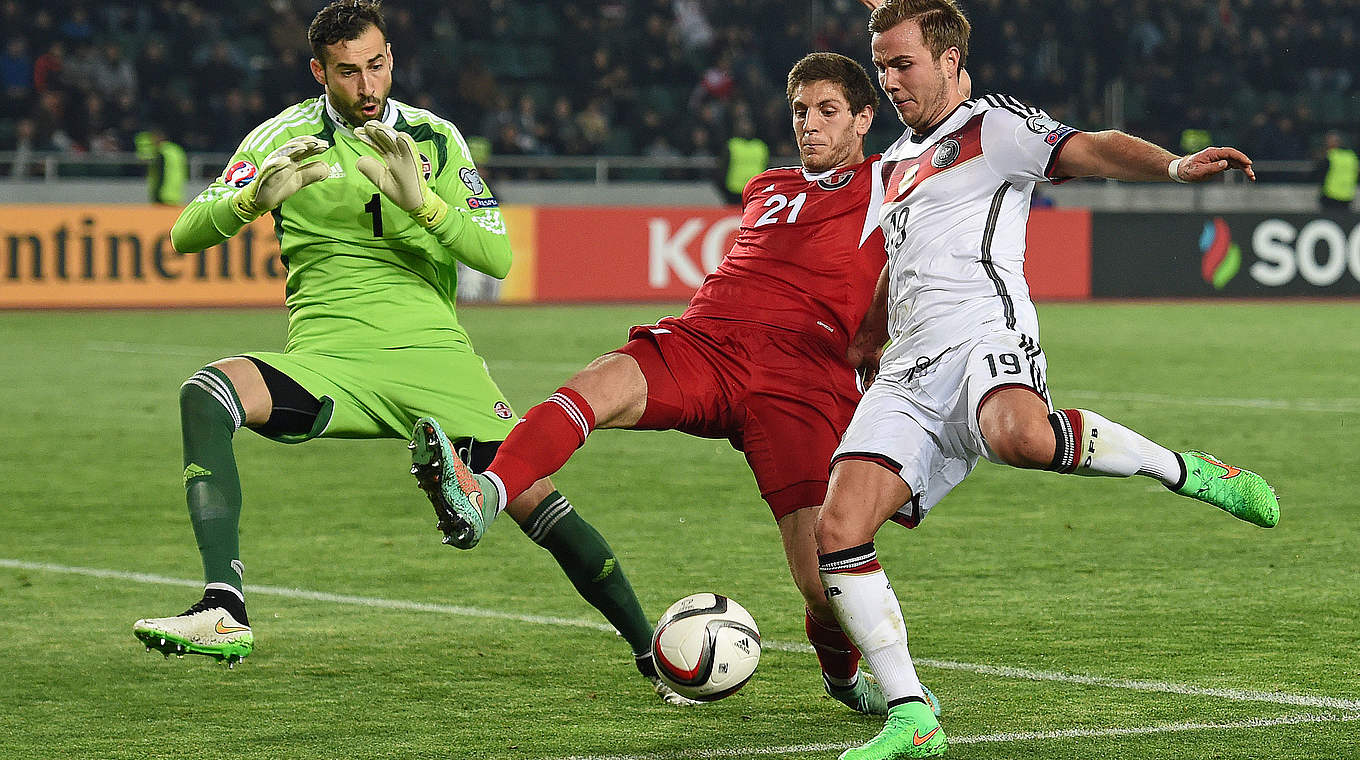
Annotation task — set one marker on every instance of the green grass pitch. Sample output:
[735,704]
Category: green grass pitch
[1056,617]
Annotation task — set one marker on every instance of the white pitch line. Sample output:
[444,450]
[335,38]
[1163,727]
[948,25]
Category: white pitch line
[314,596]
[1062,733]
[1238,695]
[1320,405]
[169,349]
[154,349]
[1072,733]
[538,365]
[1162,687]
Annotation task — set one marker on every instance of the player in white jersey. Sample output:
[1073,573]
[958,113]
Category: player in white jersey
[963,376]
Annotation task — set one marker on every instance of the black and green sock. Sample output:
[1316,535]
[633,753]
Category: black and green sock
[592,568]
[210,414]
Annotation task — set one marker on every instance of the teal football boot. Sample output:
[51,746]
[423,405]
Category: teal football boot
[459,496]
[866,696]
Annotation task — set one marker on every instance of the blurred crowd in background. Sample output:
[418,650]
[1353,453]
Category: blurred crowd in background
[673,77]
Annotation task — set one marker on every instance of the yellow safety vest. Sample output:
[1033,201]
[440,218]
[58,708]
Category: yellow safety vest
[168,175]
[1342,169]
[746,159]
[1195,140]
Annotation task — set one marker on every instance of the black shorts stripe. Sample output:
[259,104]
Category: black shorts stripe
[886,462]
[1037,378]
[1032,351]
[1007,306]
[982,401]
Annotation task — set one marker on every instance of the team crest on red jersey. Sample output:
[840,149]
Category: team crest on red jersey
[239,174]
[836,181]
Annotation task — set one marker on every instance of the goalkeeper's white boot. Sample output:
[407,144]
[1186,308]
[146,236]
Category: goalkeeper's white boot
[670,696]
[205,628]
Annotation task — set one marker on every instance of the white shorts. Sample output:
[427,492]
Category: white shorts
[922,423]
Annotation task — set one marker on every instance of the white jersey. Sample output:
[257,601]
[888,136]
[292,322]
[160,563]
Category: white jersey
[954,214]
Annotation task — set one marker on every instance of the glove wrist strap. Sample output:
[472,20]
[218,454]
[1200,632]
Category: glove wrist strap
[243,205]
[430,213]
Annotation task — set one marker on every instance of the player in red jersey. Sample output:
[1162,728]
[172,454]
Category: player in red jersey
[758,358]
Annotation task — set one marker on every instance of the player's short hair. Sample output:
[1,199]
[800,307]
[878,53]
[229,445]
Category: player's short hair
[943,24]
[854,81]
[341,21]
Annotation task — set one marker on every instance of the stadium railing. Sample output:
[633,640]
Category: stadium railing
[54,166]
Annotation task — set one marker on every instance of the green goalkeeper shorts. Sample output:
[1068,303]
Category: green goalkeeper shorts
[379,393]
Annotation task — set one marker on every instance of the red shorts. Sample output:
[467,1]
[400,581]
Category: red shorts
[781,398]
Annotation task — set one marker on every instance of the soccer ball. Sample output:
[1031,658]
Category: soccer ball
[706,646]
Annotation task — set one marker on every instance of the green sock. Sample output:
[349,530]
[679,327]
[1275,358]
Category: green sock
[210,414]
[591,566]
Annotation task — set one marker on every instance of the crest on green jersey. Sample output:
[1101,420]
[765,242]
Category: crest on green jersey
[239,174]
[472,179]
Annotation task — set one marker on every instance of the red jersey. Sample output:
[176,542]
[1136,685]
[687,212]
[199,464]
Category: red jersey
[807,257]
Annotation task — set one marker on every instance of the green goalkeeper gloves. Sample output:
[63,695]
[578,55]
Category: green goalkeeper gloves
[284,172]
[398,174]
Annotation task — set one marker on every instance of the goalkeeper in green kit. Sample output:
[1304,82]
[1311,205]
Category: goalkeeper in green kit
[375,202]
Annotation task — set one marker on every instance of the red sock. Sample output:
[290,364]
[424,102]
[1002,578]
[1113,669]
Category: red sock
[543,441]
[838,657]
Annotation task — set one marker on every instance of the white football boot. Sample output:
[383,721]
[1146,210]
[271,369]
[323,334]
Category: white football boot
[202,629]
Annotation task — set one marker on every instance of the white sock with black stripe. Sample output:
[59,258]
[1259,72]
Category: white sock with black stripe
[1089,444]
[869,613]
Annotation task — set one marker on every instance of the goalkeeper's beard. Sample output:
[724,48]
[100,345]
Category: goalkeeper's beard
[354,115]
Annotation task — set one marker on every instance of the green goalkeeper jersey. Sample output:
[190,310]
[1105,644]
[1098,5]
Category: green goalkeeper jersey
[361,272]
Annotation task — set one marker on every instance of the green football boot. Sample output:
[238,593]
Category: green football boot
[866,696]
[911,731]
[1241,493]
[455,491]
